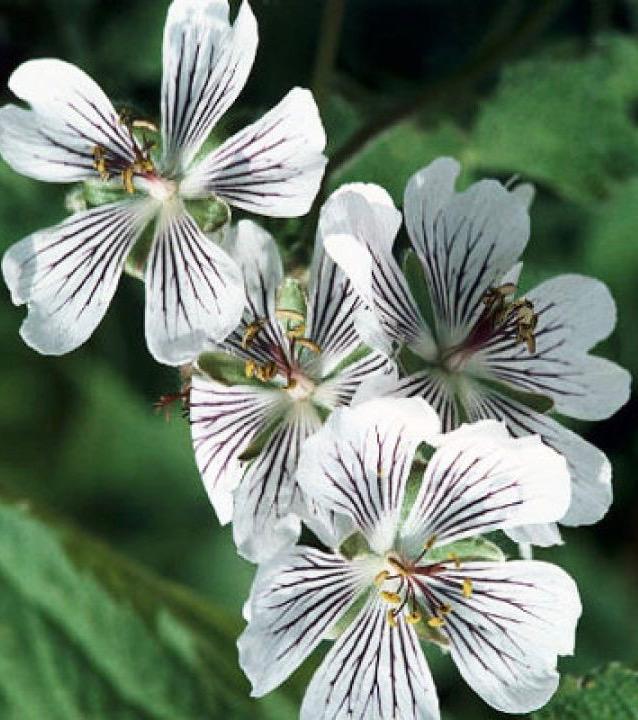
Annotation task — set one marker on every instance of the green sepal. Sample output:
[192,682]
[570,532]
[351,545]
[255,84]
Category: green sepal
[357,354]
[210,214]
[227,369]
[354,545]
[292,298]
[535,401]
[136,260]
[259,441]
[476,549]
[100,192]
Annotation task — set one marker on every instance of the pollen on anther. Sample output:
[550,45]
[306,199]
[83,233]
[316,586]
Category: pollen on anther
[249,368]
[414,617]
[436,622]
[390,597]
[381,578]
[468,588]
[455,559]
[391,619]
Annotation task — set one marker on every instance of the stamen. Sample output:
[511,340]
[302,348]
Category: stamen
[266,372]
[414,617]
[391,619]
[381,578]
[391,598]
[455,559]
[249,368]
[251,332]
[445,609]
[436,622]
[290,315]
[398,567]
[99,162]
[430,543]
[468,588]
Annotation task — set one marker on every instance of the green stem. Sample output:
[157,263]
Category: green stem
[329,35]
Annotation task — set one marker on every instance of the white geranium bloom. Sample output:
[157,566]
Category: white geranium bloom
[504,623]
[465,343]
[67,274]
[293,368]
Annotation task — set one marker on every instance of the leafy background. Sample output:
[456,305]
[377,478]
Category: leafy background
[120,596]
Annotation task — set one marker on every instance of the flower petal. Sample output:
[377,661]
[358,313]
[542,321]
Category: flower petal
[264,521]
[224,421]
[296,599]
[358,463]
[575,313]
[505,637]
[256,253]
[69,117]
[465,240]
[273,167]
[206,64]
[589,469]
[67,274]
[373,672]
[194,291]
[481,479]
[359,230]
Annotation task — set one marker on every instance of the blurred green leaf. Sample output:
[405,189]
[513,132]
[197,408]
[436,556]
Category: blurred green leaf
[86,634]
[565,122]
[608,694]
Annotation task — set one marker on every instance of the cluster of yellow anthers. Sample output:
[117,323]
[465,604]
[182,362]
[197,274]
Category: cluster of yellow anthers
[414,616]
[501,309]
[295,332]
[142,163]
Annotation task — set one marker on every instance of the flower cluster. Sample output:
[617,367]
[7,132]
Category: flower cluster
[400,408]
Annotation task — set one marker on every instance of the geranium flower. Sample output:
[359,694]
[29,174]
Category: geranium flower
[415,574]
[464,342]
[271,385]
[67,274]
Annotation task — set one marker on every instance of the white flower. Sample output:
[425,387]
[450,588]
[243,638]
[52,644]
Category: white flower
[464,342]
[504,623]
[67,274]
[293,368]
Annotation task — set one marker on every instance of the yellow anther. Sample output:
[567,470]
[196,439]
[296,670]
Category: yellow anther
[390,597]
[436,622]
[99,162]
[127,179]
[291,384]
[381,578]
[391,619]
[445,609]
[413,618]
[430,542]
[266,372]
[251,332]
[145,125]
[249,368]
[308,344]
[468,588]
[455,559]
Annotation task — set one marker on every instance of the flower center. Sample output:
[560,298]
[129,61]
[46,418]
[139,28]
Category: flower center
[502,316]
[401,580]
[287,362]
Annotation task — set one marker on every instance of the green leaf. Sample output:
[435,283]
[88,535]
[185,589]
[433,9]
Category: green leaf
[607,694]
[565,121]
[86,634]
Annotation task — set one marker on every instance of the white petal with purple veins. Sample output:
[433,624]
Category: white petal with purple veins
[224,421]
[264,521]
[358,463]
[194,290]
[466,241]
[67,274]
[481,479]
[69,117]
[206,65]
[296,599]
[506,636]
[272,167]
[373,672]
